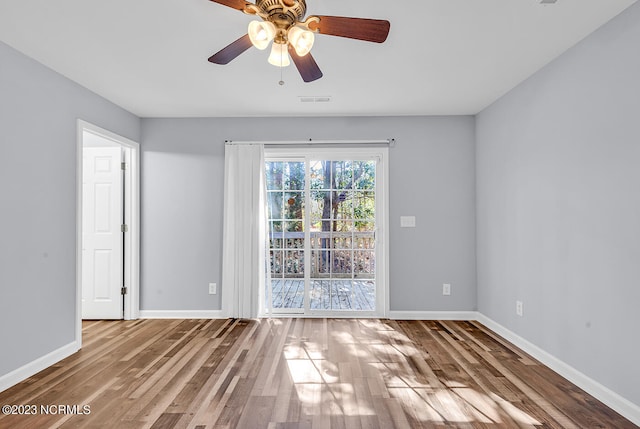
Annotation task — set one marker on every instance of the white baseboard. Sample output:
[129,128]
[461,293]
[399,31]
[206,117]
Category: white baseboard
[34,367]
[623,406]
[433,315]
[182,314]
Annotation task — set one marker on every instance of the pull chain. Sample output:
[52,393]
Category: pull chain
[281,61]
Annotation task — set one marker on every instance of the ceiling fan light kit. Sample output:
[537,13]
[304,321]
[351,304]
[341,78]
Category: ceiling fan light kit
[279,56]
[293,36]
[261,33]
[301,40]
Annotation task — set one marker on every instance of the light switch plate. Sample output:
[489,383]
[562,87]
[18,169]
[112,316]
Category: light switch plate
[407,221]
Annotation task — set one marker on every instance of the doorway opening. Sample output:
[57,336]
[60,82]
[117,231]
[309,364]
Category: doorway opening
[107,226]
[326,214]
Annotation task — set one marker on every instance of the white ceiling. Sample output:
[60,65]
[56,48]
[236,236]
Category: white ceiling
[442,57]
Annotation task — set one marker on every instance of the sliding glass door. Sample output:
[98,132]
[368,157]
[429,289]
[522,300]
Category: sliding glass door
[325,216]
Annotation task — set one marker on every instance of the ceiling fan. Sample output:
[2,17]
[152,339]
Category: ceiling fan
[282,22]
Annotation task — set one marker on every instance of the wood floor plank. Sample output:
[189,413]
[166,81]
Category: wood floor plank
[303,374]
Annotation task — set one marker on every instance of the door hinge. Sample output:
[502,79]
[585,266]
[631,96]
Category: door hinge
[123,290]
[123,165]
[124,228]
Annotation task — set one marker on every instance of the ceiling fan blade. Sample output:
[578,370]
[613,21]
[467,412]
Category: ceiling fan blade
[235,4]
[306,65]
[370,30]
[229,53]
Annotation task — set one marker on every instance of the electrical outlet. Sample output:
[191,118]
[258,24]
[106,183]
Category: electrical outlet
[519,308]
[213,288]
[446,289]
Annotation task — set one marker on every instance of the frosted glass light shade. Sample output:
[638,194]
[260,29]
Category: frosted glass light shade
[301,40]
[279,56]
[261,33]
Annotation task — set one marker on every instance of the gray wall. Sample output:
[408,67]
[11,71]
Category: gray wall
[38,112]
[558,207]
[432,176]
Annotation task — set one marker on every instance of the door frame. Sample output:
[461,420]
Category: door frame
[382,231]
[131,151]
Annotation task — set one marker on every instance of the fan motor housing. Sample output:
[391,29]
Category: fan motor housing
[280,12]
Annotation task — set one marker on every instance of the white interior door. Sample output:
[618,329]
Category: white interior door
[102,238]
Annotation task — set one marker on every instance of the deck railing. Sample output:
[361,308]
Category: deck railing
[333,254]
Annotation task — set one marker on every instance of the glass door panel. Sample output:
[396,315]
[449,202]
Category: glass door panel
[342,226]
[285,211]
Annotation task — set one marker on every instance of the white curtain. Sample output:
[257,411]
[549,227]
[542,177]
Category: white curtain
[244,241]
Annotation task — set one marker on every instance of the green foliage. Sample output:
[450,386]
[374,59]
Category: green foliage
[342,194]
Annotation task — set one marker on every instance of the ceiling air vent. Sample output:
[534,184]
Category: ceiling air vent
[315,99]
[547,1]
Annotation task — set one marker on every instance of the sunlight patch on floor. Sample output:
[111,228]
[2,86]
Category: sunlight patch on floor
[388,367]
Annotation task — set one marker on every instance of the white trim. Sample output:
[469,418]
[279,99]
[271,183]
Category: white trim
[132,273]
[383,235]
[34,367]
[605,395]
[182,314]
[433,315]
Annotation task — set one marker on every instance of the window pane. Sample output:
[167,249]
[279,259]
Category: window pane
[293,263]
[276,262]
[274,171]
[294,240]
[320,266]
[320,205]
[341,295]
[364,263]
[320,295]
[364,174]
[342,226]
[342,241]
[364,241]
[320,174]
[364,205]
[275,240]
[294,205]
[277,293]
[320,240]
[293,226]
[363,226]
[342,175]
[275,226]
[364,292]
[275,201]
[294,175]
[343,205]
[341,263]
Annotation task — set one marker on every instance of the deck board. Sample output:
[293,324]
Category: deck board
[357,295]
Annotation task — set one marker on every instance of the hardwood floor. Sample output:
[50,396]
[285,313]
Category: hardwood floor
[300,373]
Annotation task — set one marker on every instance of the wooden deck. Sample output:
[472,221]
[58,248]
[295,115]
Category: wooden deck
[357,295]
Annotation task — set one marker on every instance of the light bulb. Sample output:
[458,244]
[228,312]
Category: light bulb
[261,33]
[301,40]
[279,56]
